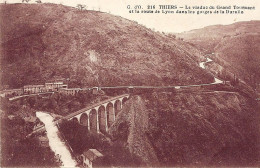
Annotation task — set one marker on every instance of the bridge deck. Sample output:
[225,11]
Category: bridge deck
[93,106]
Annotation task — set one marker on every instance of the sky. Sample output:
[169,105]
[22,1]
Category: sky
[166,22]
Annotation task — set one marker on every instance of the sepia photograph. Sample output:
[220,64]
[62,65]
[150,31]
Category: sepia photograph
[128,83]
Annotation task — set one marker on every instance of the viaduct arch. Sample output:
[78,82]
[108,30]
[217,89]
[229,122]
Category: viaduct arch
[93,120]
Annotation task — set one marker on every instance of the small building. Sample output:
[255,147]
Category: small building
[11,92]
[227,83]
[54,86]
[43,141]
[97,90]
[31,89]
[89,157]
[69,91]
[30,119]
[6,93]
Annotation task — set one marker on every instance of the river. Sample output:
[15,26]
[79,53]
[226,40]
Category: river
[56,145]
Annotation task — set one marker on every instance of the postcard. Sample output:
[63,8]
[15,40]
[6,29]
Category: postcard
[127,83]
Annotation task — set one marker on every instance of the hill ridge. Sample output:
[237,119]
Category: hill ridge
[67,39]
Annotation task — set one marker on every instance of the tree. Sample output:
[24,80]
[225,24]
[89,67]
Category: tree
[81,7]
[26,1]
[31,101]
[172,36]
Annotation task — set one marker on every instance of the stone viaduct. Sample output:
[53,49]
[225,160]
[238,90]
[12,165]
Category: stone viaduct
[99,117]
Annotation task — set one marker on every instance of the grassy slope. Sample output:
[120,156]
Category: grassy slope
[45,41]
[242,55]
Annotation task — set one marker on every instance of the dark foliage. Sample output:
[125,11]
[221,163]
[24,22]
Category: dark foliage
[20,151]
[183,134]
